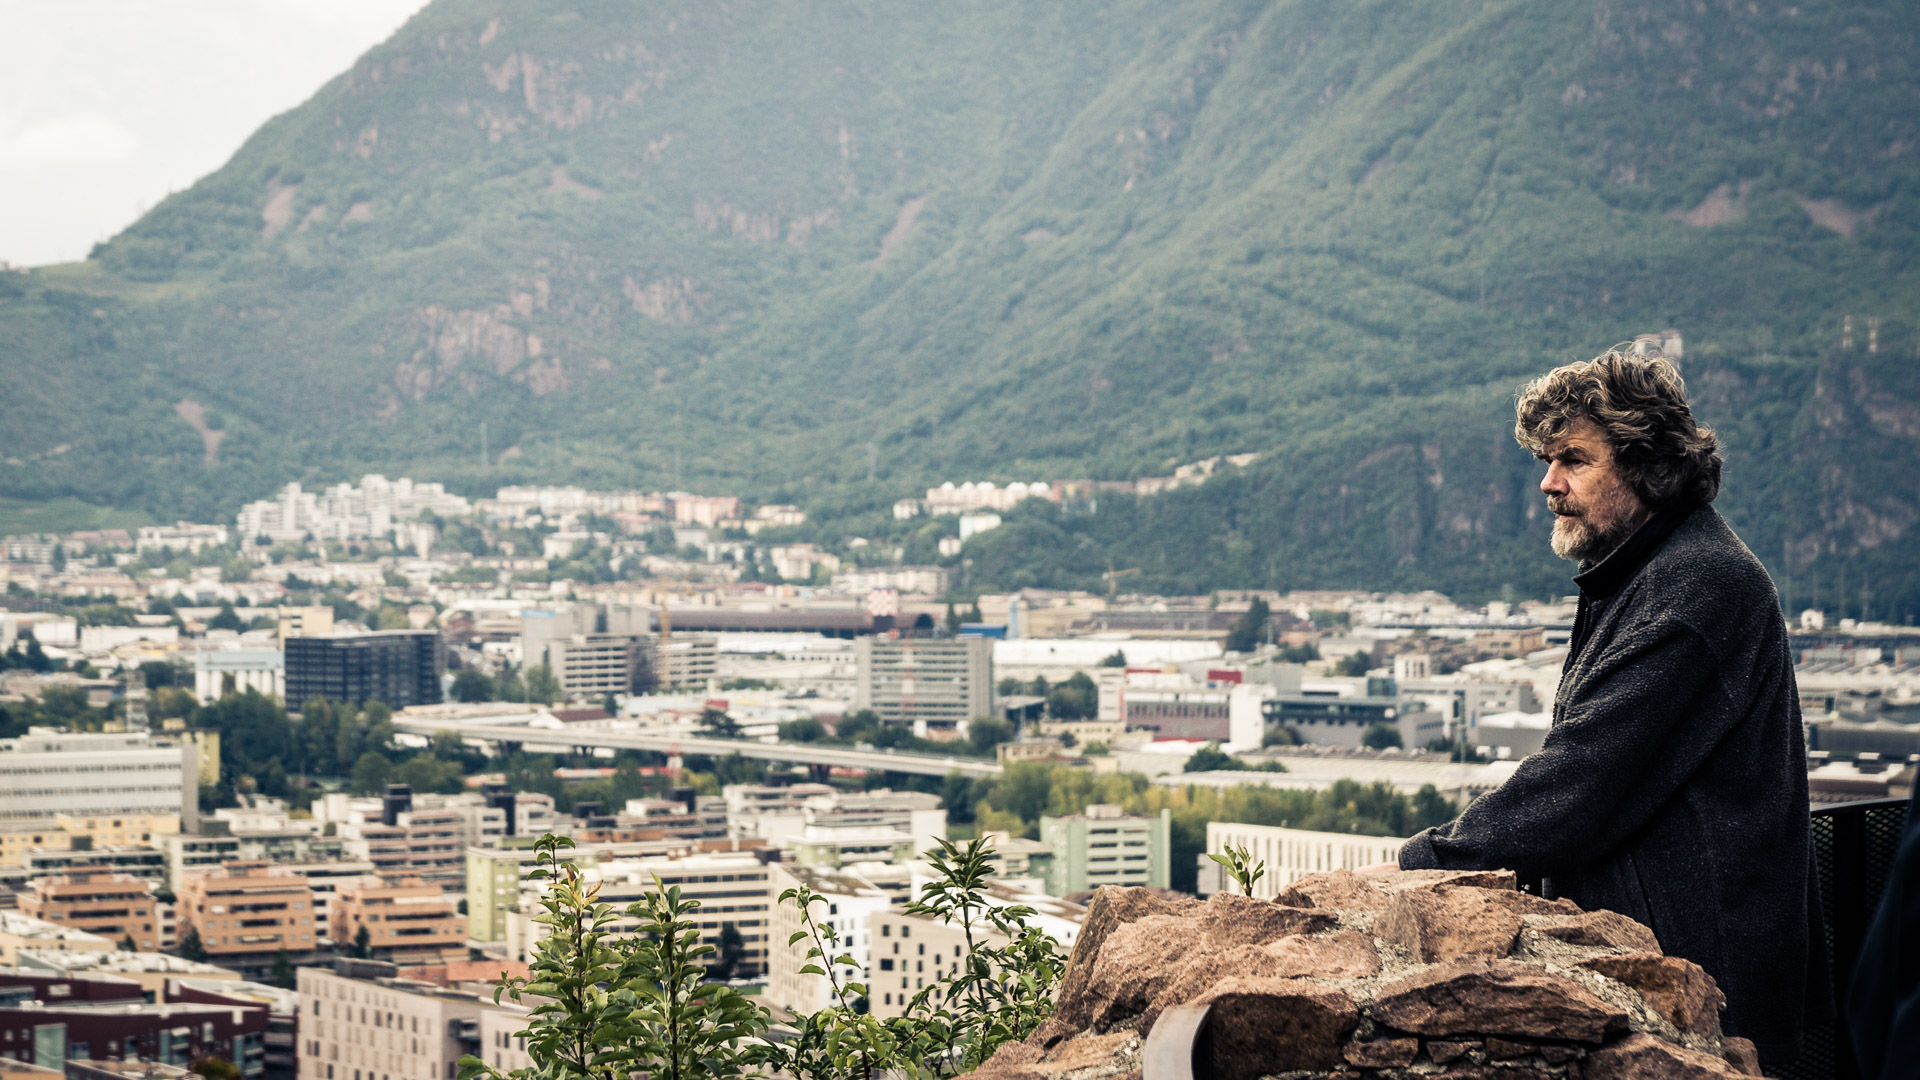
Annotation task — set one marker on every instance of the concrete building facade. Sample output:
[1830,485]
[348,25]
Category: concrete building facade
[396,667]
[45,774]
[246,909]
[936,685]
[1289,854]
[406,922]
[114,906]
[1105,846]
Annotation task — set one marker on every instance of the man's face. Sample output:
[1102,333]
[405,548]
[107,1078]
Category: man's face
[1594,508]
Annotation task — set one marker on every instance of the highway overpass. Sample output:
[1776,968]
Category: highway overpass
[583,737]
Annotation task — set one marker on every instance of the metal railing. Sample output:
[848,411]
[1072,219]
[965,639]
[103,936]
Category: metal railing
[1854,846]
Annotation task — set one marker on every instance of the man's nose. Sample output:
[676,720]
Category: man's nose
[1555,482]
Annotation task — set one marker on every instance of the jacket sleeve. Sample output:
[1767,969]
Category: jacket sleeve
[1642,721]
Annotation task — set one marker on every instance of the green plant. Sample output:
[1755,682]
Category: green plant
[1240,866]
[607,1005]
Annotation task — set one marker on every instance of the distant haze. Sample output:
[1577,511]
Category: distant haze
[108,105]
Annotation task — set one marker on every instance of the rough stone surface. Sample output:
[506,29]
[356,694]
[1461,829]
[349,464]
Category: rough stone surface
[1383,1053]
[1679,990]
[1111,908]
[1453,922]
[1508,1050]
[1229,919]
[1459,977]
[1740,1054]
[1495,997]
[1343,954]
[1334,889]
[1258,1027]
[1603,929]
[1641,1056]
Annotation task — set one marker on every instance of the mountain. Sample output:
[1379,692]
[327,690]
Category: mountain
[778,249]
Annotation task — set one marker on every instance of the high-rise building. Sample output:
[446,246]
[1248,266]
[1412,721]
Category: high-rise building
[397,667]
[937,685]
[1104,846]
[847,902]
[359,1018]
[908,953]
[732,887]
[592,650]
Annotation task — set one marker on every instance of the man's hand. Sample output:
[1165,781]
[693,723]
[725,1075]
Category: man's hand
[1379,868]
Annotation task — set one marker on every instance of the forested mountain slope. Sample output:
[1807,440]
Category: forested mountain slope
[760,247]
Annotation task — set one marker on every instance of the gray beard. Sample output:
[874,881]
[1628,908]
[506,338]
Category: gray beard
[1577,540]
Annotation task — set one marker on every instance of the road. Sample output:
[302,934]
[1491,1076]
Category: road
[799,753]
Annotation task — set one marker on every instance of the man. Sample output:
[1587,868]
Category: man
[1672,787]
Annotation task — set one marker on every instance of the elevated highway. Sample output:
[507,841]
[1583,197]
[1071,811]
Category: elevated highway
[820,755]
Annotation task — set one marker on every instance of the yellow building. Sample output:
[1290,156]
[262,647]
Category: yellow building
[125,830]
[304,622]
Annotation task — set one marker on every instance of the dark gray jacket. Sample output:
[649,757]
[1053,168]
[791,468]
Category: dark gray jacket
[1673,785]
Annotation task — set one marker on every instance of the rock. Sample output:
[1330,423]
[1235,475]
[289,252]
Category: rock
[1416,879]
[1507,1050]
[1439,924]
[1112,907]
[1343,954]
[1088,1051]
[1139,961]
[1203,969]
[1229,919]
[1382,1053]
[1502,1071]
[1740,1054]
[1334,889]
[1013,1061]
[1608,929]
[1677,989]
[1557,1055]
[1641,1056]
[1495,997]
[1445,1052]
[1262,1026]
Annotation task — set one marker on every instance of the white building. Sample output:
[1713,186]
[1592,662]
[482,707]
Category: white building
[847,900]
[377,509]
[951,499]
[45,773]
[1290,854]
[734,889]
[181,536]
[219,672]
[378,1025]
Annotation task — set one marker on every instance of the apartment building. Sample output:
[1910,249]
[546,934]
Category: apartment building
[686,661]
[114,906]
[500,1045]
[846,903]
[592,650]
[496,876]
[733,887]
[424,837]
[150,971]
[246,909]
[1289,854]
[781,816]
[406,922]
[909,953]
[66,831]
[937,685]
[360,1021]
[1105,846]
[46,774]
[397,667]
[219,672]
[18,931]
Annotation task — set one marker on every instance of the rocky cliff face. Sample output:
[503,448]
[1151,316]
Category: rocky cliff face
[1434,973]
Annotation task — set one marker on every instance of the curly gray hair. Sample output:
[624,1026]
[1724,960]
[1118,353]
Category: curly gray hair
[1638,399]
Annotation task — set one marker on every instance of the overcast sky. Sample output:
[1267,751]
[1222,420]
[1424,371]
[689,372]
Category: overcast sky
[107,105]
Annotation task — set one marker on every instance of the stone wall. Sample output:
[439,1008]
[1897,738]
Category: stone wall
[1409,974]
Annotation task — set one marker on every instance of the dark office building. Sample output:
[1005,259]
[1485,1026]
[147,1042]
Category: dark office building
[397,667]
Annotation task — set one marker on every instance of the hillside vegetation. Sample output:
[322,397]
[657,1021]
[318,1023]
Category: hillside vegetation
[760,248]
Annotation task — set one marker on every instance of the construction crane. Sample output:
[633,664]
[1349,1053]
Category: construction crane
[1113,577]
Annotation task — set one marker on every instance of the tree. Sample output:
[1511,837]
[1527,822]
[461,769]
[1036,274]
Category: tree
[191,947]
[127,944]
[215,1068]
[1249,628]
[987,732]
[362,943]
[371,773]
[1118,659]
[806,729]
[1354,665]
[953,619]
[283,975]
[1380,736]
[471,686]
[718,724]
[733,948]
[1076,699]
[1210,758]
[225,619]
[1299,654]
[541,685]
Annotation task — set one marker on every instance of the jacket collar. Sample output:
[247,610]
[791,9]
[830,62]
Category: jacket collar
[1604,578]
